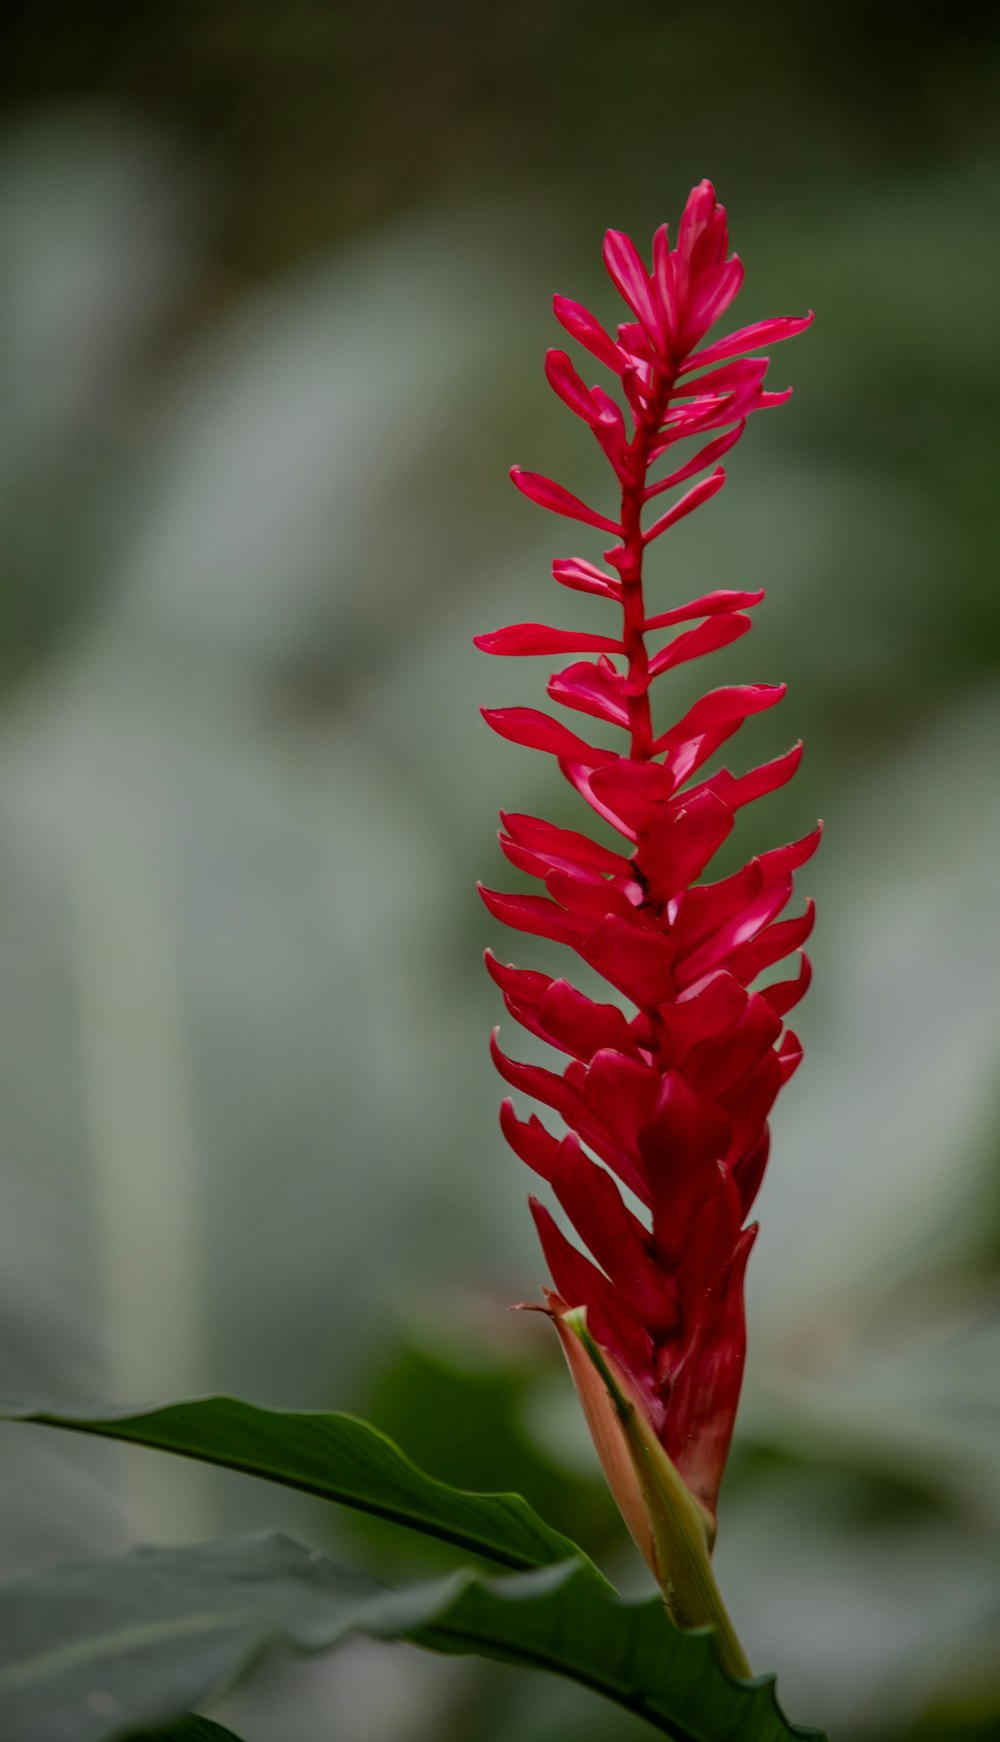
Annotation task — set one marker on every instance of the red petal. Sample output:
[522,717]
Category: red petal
[717,631]
[527,985]
[571,388]
[794,854]
[722,709]
[528,638]
[615,1237]
[536,864]
[583,892]
[587,329]
[708,1251]
[692,499]
[578,1032]
[711,299]
[579,778]
[706,907]
[664,282]
[529,1139]
[584,577]
[622,1094]
[703,1399]
[721,1063]
[564,844]
[704,910]
[789,1055]
[591,688]
[711,411]
[637,792]
[637,961]
[692,1017]
[706,456]
[539,731]
[535,915]
[548,494]
[748,1170]
[624,263]
[749,1104]
[697,220]
[733,378]
[582,1284]
[561,1095]
[681,1147]
[582,1027]
[679,843]
[725,947]
[723,599]
[737,790]
[749,339]
[773,943]
[785,994]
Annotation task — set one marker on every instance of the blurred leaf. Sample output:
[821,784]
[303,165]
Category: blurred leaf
[461,1414]
[335,1457]
[161,1630]
[189,1729]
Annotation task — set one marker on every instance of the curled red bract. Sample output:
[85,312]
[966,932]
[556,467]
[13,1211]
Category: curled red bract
[669,1099]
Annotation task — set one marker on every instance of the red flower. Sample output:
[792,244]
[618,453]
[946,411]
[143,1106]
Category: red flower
[673,1098]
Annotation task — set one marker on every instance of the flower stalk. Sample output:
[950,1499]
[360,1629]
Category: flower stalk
[665,1103]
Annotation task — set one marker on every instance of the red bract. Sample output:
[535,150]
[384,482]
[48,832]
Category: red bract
[671,1099]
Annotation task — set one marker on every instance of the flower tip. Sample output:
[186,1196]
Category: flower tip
[485,895]
[508,1115]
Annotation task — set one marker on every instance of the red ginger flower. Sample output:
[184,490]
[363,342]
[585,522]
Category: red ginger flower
[673,1100]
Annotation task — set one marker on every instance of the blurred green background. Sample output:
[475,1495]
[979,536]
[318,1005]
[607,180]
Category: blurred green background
[274,293]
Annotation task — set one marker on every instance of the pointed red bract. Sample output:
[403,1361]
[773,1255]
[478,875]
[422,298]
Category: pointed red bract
[692,499]
[671,1094]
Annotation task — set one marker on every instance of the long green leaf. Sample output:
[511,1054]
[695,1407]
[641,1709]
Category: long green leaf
[96,1651]
[337,1457]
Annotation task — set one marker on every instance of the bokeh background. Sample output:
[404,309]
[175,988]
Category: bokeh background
[274,293]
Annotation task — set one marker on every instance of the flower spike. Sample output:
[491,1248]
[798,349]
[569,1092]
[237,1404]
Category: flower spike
[671,1097]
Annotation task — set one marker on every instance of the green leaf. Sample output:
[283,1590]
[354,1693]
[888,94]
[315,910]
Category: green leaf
[337,1457]
[94,1651]
[188,1729]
